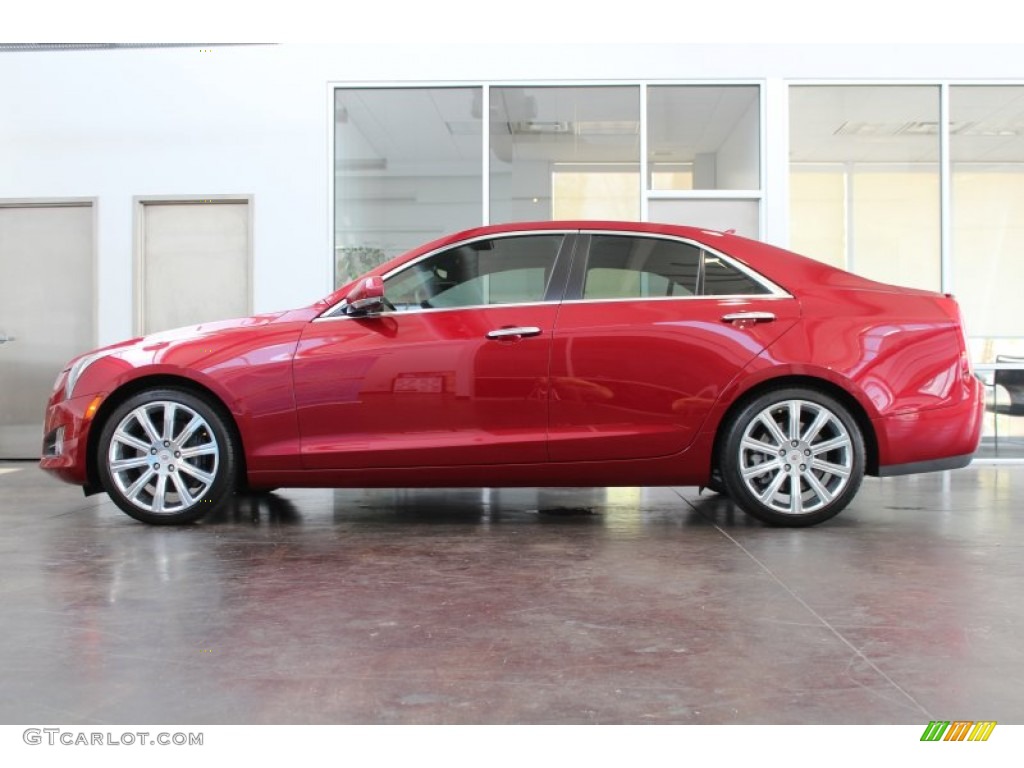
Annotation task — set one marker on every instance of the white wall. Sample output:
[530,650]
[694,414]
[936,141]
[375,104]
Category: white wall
[119,124]
[116,124]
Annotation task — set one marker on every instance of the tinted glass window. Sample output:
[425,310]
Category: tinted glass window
[511,270]
[721,279]
[640,267]
[623,267]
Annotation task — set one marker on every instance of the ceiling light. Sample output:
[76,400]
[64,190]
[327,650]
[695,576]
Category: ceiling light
[362,164]
[537,127]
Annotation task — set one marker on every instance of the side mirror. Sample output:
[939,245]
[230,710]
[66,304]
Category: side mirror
[366,297]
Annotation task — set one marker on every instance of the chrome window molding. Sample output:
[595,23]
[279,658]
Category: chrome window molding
[722,297]
[425,310]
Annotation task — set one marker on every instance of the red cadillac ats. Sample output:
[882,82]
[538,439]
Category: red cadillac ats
[541,354]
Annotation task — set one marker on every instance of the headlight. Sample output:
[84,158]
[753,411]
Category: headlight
[77,369]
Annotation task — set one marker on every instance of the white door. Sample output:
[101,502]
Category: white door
[194,262]
[47,311]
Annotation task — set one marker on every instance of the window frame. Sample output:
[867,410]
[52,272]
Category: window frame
[554,292]
[577,279]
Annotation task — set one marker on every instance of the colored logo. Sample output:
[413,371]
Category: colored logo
[958,730]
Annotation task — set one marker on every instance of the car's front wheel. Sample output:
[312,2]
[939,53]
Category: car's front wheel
[166,457]
[793,457]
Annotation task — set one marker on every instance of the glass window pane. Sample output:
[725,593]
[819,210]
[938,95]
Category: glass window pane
[509,270]
[407,169]
[987,153]
[565,153]
[703,137]
[864,163]
[595,193]
[640,267]
[817,203]
[721,279]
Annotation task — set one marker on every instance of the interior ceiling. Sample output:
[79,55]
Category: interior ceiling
[397,126]
[389,128]
[900,124]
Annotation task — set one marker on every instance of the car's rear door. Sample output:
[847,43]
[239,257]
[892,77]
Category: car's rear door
[454,373]
[651,332]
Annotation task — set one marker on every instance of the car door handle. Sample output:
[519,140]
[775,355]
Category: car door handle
[5,338]
[748,318]
[514,332]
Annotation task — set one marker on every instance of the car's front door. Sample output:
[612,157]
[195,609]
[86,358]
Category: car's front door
[651,332]
[452,372]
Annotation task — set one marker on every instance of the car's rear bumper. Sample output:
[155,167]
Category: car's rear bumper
[932,439]
[934,465]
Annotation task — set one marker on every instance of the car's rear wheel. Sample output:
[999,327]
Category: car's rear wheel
[166,457]
[793,457]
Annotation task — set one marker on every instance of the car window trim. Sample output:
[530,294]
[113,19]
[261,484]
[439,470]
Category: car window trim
[553,293]
[577,280]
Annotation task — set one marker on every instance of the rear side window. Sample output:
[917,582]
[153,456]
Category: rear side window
[625,267]
[722,279]
[640,268]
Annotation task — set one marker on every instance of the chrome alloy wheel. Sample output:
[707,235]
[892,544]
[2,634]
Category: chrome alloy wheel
[796,457]
[163,457]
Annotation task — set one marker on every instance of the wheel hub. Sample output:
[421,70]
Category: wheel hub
[163,457]
[160,459]
[795,456]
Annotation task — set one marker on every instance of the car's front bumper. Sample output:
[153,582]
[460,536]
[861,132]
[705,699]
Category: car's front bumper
[66,437]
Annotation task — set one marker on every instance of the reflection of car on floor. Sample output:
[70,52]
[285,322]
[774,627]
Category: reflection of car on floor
[541,354]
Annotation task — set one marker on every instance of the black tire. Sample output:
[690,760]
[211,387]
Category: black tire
[167,457]
[815,443]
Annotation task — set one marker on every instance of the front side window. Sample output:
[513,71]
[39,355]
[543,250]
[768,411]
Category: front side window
[511,270]
[647,267]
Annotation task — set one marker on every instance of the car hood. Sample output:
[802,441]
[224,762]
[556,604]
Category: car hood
[157,346]
[210,328]
[161,339]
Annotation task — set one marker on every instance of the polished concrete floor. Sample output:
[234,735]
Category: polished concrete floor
[515,606]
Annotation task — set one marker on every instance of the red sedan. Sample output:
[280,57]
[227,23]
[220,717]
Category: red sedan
[540,354]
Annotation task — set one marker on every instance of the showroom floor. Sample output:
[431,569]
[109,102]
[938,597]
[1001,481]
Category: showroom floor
[515,606]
